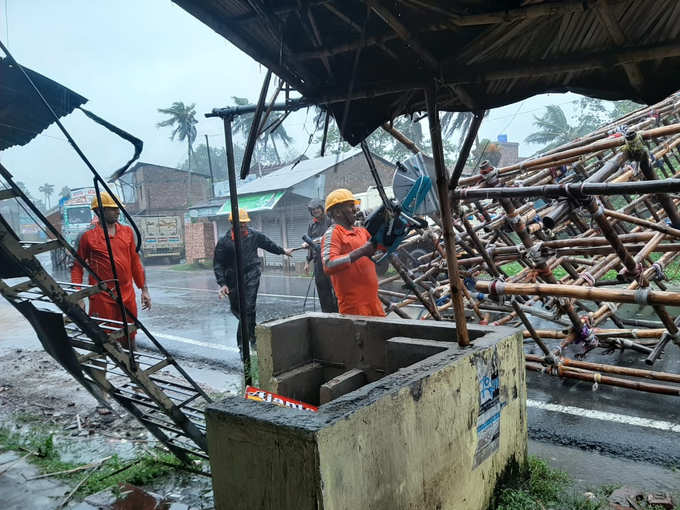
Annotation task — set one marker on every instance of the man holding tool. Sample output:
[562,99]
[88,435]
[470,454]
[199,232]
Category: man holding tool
[224,265]
[345,252]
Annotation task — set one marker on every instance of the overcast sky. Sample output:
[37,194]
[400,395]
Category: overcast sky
[130,58]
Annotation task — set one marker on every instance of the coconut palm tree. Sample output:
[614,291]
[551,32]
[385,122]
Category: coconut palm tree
[47,190]
[183,119]
[554,128]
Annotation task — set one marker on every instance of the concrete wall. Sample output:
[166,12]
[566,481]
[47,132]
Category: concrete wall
[405,440]
[509,153]
[163,190]
[199,241]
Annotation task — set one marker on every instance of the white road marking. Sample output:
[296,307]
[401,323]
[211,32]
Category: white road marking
[191,341]
[601,415]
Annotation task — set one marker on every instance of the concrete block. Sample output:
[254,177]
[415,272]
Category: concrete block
[301,383]
[402,352]
[338,386]
[291,348]
[436,434]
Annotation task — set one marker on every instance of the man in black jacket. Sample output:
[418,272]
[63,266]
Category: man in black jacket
[316,229]
[224,265]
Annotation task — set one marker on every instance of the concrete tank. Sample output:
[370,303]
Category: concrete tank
[406,418]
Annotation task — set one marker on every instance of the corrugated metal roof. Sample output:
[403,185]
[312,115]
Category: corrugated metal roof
[22,115]
[293,174]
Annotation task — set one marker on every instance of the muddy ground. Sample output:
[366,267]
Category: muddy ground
[37,396]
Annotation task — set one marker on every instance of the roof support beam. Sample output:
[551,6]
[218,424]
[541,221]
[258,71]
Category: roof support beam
[313,34]
[403,33]
[494,17]
[357,28]
[459,75]
[455,283]
[614,30]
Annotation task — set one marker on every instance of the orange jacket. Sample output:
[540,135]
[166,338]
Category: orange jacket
[92,248]
[355,284]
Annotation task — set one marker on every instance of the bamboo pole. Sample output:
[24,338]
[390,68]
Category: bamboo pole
[447,221]
[573,291]
[596,377]
[612,369]
[659,227]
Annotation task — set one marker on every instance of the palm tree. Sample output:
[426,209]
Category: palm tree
[276,131]
[554,128]
[47,190]
[65,192]
[183,119]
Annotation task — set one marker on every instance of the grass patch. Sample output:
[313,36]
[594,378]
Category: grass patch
[194,266]
[546,488]
[139,470]
[512,268]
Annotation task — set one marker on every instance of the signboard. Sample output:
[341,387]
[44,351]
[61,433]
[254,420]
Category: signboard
[254,203]
[253,393]
[81,196]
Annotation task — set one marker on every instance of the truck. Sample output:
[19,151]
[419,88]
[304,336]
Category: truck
[162,237]
[72,216]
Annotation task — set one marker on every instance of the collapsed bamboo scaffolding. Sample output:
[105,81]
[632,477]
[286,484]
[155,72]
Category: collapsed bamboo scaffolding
[556,244]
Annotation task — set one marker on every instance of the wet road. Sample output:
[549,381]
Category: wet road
[616,421]
[191,322]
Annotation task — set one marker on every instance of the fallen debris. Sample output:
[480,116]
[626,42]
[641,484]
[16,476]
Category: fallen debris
[566,237]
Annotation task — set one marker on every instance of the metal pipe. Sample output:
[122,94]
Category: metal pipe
[236,229]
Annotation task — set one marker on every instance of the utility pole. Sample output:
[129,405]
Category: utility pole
[212,177]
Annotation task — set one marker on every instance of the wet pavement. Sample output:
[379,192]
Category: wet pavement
[190,320]
[636,425]
[193,324]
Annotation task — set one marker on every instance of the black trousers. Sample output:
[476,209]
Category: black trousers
[324,289]
[252,284]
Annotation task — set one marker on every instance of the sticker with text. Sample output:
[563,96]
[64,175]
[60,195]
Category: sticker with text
[259,395]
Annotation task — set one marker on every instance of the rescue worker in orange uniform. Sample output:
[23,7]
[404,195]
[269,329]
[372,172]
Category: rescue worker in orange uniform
[92,248]
[345,253]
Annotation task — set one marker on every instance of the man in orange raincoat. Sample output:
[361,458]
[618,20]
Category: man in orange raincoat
[92,248]
[345,252]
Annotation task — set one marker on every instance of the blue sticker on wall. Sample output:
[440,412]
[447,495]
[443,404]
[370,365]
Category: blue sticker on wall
[489,416]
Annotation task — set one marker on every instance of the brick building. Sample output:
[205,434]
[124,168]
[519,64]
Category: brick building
[509,153]
[277,202]
[148,189]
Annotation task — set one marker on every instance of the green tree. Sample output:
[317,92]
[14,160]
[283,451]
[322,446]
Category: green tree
[201,165]
[183,119]
[591,114]
[553,128]
[622,108]
[379,142]
[275,133]
[47,190]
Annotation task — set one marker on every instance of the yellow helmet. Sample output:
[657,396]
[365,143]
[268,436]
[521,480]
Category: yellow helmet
[340,196]
[242,216]
[107,201]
